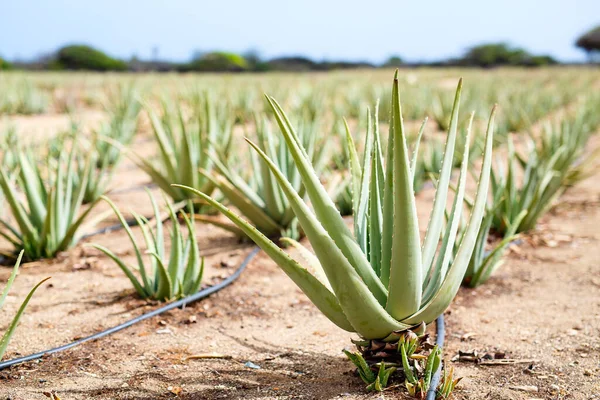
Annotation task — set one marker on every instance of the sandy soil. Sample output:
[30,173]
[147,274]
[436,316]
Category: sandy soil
[542,309]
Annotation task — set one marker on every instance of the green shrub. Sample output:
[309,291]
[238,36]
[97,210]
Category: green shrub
[217,61]
[5,65]
[82,57]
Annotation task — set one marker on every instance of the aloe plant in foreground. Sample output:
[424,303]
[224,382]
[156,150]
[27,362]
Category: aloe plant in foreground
[10,330]
[381,280]
[166,277]
[48,220]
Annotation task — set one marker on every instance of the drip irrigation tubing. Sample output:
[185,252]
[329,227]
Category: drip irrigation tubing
[176,304]
[440,333]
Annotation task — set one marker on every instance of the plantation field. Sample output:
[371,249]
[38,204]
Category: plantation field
[261,337]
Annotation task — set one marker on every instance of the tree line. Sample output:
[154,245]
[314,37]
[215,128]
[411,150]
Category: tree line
[84,57]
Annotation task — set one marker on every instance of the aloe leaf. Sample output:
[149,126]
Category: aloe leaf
[69,236]
[165,282]
[375,213]
[388,205]
[13,324]
[415,157]
[449,238]
[166,151]
[438,304]
[325,300]
[255,214]
[356,172]
[32,191]
[327,212]
[314,265]
[126,270]
[25,224]
[11,280]
[194,266]
[406,274]
[434,227]
[223,225]
[138,253]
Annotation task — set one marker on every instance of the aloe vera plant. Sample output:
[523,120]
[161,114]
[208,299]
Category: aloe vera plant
[48,220]
[99,174]
[540,186]
[166,277]
[184,145]
[95,167]
[10,330]
[258,196]
[381,280]
[120,128]
[487,258]
[569,138]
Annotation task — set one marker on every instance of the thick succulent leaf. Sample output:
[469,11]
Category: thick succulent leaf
[126,270]
[387,233]
[375,213]
[436,218]
[31,188]
[25,225]
[359,178]
[70,234]
[449,238]
[220,224]
[321,297]
[440,301]
[415,157]
[255,214]
[138,253]
[13,324]
[355,168]
[11,280]
[164,144]
[313,264]
[406,273]
[327,212]
[165,283]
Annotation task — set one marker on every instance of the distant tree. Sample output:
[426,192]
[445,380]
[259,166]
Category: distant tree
[5,65]
[498,54]
[540,61]
[82,57]
[293,63]
[255,61]
[217,61]
[393,61]
[492,54]
[590,43]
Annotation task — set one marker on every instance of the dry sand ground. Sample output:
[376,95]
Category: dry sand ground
[543,305]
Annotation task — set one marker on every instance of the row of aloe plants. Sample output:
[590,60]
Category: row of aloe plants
[379,281]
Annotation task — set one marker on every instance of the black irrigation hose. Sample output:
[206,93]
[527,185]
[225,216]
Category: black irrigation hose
[440,333]
[180,303]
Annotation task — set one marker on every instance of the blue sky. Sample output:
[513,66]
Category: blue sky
[321,29]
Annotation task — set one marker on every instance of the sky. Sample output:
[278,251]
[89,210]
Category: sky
[370,30]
